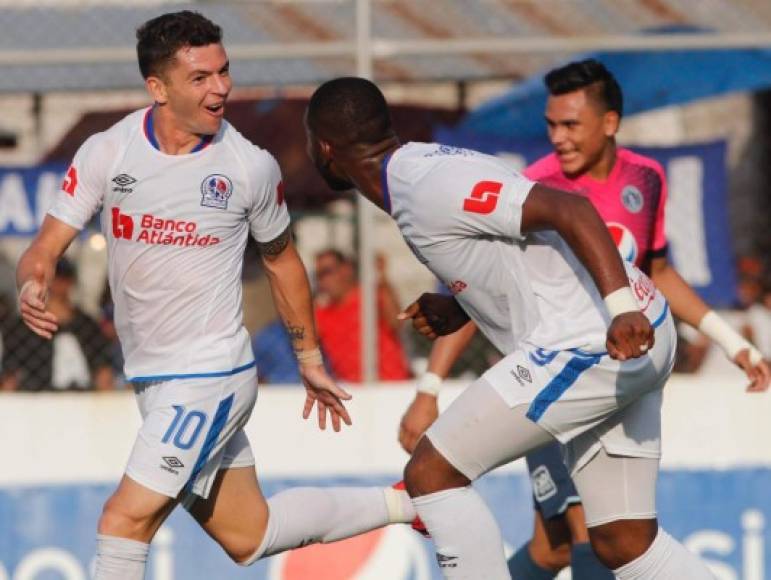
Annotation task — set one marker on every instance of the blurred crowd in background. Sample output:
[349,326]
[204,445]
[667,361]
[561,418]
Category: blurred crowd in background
[44,125]
[85,354]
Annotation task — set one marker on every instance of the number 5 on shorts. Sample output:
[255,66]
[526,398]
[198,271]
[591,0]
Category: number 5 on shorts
[185,430]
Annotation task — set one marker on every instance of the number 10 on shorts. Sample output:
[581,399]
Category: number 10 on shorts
[185,428]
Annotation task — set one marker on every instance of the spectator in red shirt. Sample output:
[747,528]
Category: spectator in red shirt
[339,322]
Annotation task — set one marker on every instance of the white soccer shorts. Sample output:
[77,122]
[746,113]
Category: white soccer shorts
[585,401]
[192,428]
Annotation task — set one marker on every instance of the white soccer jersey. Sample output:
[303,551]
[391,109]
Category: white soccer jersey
[176,228]
[460,211]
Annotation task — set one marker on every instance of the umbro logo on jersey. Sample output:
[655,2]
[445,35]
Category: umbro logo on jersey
[122,183]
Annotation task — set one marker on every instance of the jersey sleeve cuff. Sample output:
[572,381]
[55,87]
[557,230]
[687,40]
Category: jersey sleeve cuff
[66,218]
[659,253]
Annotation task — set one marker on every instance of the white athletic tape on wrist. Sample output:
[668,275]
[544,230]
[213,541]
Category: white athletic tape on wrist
[394,504]
[621,301]
[309,358]
[726,337]
[430,384]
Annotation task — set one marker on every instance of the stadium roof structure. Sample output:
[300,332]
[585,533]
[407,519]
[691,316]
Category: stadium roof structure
[60,45]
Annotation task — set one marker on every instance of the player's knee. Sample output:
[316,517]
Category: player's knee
[619,542]
[428,472]
[118,520]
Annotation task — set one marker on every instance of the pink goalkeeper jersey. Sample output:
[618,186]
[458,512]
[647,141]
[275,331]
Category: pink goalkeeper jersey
[630,201]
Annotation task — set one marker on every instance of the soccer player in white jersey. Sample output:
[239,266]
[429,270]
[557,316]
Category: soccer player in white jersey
[583,114]
[537,271]
[180,190]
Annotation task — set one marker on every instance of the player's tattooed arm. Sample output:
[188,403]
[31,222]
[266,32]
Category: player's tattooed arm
[277,245]
[296,334]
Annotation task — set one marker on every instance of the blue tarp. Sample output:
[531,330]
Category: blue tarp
[649,80]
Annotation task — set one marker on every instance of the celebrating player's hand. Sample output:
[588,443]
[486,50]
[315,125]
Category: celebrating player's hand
[32,303]
[630,336]
[758,374]
[327,396]
[435,315]
[421,413]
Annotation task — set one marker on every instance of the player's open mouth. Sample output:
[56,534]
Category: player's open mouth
[217,109]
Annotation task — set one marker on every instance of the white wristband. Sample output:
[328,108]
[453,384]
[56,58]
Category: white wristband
[726,337]
[308,358]
[430,384]
[621,301]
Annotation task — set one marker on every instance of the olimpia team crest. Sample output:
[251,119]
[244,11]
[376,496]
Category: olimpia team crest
[215,191]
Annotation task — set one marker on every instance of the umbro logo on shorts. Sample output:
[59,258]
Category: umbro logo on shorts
[172,464]
[446,561]
[521,374]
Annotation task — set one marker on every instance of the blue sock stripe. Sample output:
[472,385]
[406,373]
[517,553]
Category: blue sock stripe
[217,424]
[559,384]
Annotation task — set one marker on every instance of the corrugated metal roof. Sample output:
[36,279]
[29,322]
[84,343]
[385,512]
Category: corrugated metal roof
[87,45]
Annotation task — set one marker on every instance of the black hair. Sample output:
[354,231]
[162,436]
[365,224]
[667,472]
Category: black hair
[159,39]
[352,108]
[587,74]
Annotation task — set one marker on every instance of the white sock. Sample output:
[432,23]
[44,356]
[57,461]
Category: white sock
[120,558]
[665,559]
[306,515]
[468,542]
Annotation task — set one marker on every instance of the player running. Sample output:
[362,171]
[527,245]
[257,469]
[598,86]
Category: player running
[537,271]
[180,190]
[583,114]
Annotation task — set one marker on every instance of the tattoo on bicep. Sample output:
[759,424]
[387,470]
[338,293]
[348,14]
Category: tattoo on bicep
[296,334]
[277,245]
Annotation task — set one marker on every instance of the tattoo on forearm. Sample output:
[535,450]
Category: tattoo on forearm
[276,246]
[297,334]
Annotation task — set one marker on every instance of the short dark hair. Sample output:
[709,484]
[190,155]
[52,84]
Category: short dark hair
[353,108]
[587,74]
[159,39]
